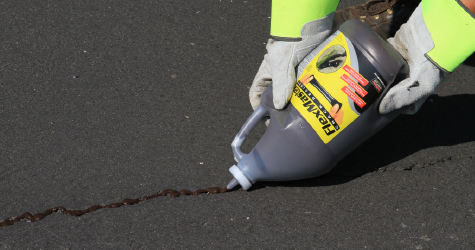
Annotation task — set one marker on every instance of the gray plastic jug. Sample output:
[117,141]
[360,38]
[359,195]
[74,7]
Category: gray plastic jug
[333,109]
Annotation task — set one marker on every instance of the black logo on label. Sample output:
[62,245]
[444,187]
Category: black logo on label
[313,106]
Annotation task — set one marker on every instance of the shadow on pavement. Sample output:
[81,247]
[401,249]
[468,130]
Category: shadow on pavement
[470,61]
[442,121]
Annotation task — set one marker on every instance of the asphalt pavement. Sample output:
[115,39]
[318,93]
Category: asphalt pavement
[106,100]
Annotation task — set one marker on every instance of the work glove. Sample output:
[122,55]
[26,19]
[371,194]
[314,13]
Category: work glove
[278,66]
[413,41]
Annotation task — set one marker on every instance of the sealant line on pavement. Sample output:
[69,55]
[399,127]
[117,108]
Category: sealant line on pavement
[173,193]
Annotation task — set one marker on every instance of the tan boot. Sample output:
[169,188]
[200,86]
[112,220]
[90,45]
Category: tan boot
[384,16]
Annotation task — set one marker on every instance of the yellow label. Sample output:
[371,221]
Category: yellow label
[325,93]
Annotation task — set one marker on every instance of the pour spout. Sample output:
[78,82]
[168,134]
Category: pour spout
[232,184]
[240,178]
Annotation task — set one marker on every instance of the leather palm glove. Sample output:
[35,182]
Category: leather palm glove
[278,66]
[431,48]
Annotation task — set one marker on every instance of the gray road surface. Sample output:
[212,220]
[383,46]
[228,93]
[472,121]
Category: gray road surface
[106,100]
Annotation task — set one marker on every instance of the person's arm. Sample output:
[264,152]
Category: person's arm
[470,4]
[451,24]
[289,16]
[438,37]
[297,27]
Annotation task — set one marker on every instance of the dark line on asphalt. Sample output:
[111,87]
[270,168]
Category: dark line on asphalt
[173,193]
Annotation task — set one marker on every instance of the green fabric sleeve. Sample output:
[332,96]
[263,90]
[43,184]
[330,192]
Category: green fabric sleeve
[452,27]
[288,16]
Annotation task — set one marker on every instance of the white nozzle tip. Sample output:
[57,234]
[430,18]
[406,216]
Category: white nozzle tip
[232,184]
[239,177]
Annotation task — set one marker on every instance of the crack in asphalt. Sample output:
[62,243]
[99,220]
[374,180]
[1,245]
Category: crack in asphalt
[423,165]
[356,174]
[39,216]
[172,193]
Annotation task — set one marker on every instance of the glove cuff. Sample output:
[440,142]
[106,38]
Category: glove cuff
[414,40]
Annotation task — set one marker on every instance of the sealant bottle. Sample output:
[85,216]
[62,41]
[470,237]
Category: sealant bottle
[333,109]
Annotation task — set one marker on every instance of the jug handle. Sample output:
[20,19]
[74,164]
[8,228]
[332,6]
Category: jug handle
[246,129]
